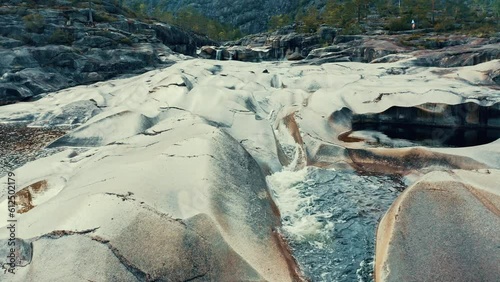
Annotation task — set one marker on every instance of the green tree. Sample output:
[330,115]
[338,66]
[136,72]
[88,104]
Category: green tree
[495,7]
[339,14]
[34,23]
[418,10]
[458,10]
[279,21]
[310,20]
[361,7]
[189,18]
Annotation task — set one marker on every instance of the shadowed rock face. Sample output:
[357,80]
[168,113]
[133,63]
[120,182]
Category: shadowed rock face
[286,43]
[441,125]
[429,114]
[441,231]
[64,52]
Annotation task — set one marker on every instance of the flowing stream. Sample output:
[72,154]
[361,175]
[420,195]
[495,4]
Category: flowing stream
[330,217]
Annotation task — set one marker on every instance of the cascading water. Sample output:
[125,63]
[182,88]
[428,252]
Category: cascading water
[218,55]
[329,219]
[283,57]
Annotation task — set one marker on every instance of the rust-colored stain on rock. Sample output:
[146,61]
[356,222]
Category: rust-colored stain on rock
[24,197]
[404,161]
[434,218]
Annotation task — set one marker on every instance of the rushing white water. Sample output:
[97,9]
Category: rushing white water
[218,55]
[286,186]
[329,218]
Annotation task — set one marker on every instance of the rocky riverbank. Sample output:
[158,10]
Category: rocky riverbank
[326,46]
[46,48]
[223,162]
[335,158]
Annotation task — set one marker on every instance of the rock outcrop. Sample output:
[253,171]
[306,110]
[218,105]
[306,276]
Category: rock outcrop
[440,51]
[443,228]
[162,176]
[48,48]
[326,46]
[284,44]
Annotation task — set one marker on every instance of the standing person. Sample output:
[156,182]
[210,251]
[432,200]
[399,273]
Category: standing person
[412,24]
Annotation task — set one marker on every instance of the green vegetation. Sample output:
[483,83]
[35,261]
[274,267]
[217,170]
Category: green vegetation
[310,20]
[188,18]
[279,21]
[474,16]
[125,41]
[191,19]
[102,17]
[34,23]
[61,36]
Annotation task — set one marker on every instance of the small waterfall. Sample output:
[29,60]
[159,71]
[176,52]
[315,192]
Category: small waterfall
[230,56]
[218,55]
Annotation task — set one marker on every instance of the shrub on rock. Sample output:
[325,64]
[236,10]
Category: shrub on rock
[61,36]
[34,23]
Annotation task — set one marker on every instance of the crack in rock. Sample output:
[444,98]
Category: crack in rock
[190,156]
[137,272]
[154,133]
[56,234]
[381,95]
[103,180]
[106,156]
[196,277]
[117,143]
[149,145]
[124,197]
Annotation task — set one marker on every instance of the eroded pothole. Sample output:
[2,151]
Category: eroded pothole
[430,125]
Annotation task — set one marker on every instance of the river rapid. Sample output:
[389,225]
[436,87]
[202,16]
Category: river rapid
[330,217]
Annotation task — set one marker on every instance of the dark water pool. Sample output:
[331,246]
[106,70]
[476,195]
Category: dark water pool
[433,136]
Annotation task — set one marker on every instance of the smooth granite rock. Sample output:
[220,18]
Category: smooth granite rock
[443,228]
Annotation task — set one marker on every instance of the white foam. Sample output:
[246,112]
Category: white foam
[295,207]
